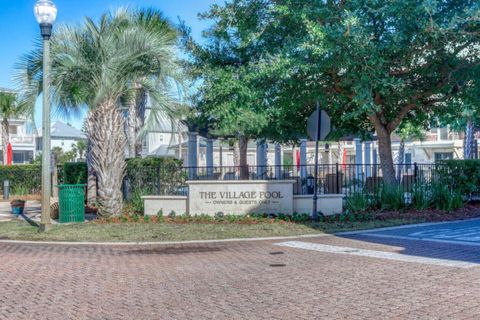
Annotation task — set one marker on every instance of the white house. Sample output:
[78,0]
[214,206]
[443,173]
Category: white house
[62,135]
[22,140]
[439,144]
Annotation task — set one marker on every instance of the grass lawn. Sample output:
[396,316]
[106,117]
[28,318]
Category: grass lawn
[133,232]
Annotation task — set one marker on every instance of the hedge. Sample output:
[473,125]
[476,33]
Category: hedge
[74,173]
[146,175]
[23,179]
[463,176]
[150,175]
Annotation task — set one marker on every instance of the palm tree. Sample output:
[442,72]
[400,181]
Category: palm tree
[153,21]
[9,108]
[98,65]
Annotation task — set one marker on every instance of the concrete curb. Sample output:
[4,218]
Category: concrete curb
[126,244]
[305,236]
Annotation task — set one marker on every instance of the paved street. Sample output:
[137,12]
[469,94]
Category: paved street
[355,276]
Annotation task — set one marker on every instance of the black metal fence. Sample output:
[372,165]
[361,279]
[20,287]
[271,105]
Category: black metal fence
[332,179]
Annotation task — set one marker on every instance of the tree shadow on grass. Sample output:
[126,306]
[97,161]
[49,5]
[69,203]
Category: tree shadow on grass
[29,220]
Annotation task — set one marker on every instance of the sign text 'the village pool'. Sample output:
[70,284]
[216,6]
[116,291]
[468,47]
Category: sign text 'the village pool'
[229,195]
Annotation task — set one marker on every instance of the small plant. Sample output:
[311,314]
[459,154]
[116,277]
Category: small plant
[172,214]
[445,198]
[421,197]
[20,191]
[137,201]
[392,198]
[357,202]
[300,217]
[160,215]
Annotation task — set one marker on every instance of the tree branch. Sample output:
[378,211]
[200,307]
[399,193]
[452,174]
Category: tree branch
[398,119]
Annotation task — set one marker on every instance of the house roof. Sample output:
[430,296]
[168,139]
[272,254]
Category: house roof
[162,151]
[63,130]
[167,125]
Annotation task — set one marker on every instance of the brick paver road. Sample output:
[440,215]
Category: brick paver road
[248,280]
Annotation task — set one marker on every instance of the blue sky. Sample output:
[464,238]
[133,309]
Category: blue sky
[19,27]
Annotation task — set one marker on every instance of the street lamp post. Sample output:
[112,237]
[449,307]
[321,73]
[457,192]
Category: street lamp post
[46,13]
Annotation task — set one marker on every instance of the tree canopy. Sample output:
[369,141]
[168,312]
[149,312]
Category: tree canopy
[371,64]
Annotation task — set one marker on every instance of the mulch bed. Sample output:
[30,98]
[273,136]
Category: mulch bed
[471,210]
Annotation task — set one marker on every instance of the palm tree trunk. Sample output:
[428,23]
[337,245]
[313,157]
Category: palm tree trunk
[92,178]
[105,128]
[141,105]
[5,139]
[469,140]
[131,127]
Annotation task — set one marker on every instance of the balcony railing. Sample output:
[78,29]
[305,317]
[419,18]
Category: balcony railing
[26,139]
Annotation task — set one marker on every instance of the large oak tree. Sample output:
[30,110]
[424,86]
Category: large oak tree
[370,63]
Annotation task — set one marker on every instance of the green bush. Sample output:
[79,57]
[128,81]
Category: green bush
[25,178]
[75,173]
[137,201]
[445,198]
[357,202]
[391,198]
[463,176]
[421,197]
[149,172]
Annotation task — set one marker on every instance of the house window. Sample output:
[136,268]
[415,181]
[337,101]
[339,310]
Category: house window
[13,129]
[18,157]
[439,156]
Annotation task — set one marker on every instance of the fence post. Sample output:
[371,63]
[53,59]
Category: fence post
[159,190]
[337,174]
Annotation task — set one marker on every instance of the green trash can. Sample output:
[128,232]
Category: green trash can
[71,202]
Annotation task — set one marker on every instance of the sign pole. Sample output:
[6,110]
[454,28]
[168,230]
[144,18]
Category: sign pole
[315,184]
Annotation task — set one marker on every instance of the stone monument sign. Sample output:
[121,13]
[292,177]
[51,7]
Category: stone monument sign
[240,197]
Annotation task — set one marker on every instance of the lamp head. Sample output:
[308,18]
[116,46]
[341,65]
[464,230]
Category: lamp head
[46,14]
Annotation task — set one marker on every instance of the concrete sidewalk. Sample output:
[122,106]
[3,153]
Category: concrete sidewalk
[33,210]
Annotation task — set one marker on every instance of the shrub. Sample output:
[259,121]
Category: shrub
[137,202]
[75,173]
[25,178]
[445,198]
[149,172]
[463,176]
[19,190]
[391,198]
[421,197]
[357,202]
